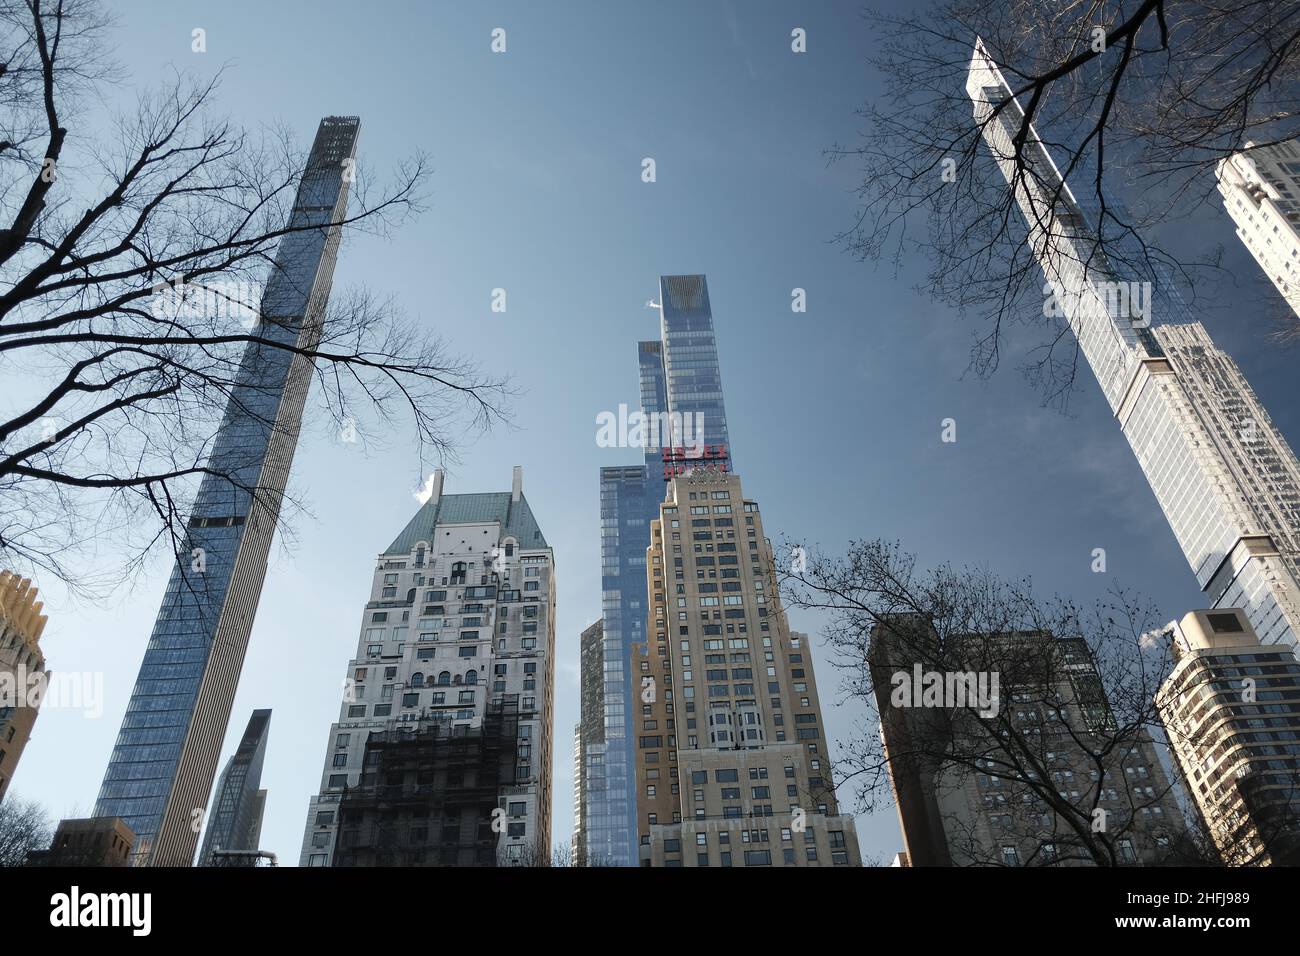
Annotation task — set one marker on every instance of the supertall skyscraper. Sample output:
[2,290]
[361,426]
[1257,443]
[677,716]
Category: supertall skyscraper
[679,378]
[235,822]
[1225,478]
[441,755]
[162,766]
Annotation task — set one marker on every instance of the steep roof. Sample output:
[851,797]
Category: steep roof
[515,517]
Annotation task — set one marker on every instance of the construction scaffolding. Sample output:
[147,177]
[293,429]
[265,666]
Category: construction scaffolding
[428,791]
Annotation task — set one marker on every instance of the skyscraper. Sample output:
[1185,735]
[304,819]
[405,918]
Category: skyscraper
[442,751]
[1225,478]
[692,374]
[1261,191]
[160,773]
[22,668]
[235,822]
[1009,780]
[1231,711]
[732,761]
[679,378]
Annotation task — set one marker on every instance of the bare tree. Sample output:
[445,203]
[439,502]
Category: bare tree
[1130,98]
[1057,762]
[132,255]
[25,827]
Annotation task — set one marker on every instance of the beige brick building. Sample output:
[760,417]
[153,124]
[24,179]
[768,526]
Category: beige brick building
[21,661]
[732,763]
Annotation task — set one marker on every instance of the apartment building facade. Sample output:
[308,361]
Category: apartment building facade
[441,754]
[732,761]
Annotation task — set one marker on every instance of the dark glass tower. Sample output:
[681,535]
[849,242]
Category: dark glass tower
[161,770]
[236,819]
[680,376]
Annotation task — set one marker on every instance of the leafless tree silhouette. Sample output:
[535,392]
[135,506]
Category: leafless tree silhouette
[132,252]
[1135,99]
[1068,742]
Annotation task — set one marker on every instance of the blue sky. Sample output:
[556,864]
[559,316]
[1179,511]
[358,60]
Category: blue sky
[834,414]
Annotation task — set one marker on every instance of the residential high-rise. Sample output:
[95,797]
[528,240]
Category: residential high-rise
[1225,478]
[442,751]
[22,669]
[163,763]
[681,392]
[1261,191]
[977,781]
[732,760]
[235,822]
[1231,712]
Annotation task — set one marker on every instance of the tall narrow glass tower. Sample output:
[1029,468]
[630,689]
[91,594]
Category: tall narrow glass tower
[161,770]
[679,376]
[236,819]
[1225,478]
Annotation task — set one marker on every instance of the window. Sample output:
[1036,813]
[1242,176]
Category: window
[1224,623]
[1125,845]
[758,858]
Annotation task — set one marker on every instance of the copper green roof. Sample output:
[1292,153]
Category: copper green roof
[515,517]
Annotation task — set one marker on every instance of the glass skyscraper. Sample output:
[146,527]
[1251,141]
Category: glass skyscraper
[236,819]
[163,763]
[1226,479]
[679,376]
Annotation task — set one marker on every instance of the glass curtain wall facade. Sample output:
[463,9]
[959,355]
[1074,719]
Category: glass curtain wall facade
[236,820]
[679,376]
[161,770]
[692,375]
[1225,478]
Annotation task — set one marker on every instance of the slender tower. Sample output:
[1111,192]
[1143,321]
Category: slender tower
[235,822]
[161,771]
[1226,479]
[681,388]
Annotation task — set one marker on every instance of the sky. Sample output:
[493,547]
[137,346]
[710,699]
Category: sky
[835,414]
